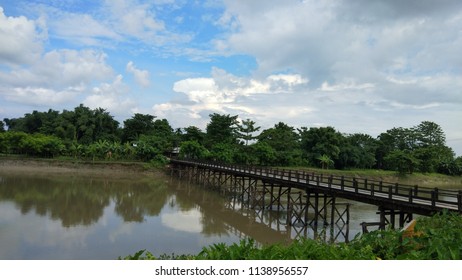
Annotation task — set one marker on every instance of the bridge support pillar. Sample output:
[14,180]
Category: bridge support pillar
[388,218]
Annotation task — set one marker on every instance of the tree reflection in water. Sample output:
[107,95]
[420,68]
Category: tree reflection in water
[81,200]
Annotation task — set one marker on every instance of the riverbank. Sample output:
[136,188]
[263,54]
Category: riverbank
[428,180]
[119,168]
[111,168]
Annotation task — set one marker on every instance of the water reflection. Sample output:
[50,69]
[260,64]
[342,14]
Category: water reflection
[82,216]
[78,200]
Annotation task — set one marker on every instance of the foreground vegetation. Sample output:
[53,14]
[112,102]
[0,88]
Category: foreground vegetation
[93,134]
[435,238]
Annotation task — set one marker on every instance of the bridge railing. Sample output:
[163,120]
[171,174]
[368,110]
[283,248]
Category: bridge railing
[402,192]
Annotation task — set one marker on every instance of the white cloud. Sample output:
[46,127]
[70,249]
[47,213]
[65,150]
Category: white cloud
[60,68]
[187,221]
[112,97]
[355,64]
[81,29]
[326,41]
[227,93]
[351,85]
[139,21]
[224,88]
[55,79]
[21,39]
[41,96]
[141,76]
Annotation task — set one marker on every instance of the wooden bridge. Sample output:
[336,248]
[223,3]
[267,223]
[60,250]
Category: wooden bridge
[302,193]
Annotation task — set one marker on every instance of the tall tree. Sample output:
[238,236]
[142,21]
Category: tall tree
[319,141]
[246,130]
[422,145]
[85,126]
[66,127]
[193,133]
[429,134]
[283,139]
[106,127]
[221,129]
[357,151]
[430,148]
[137,125]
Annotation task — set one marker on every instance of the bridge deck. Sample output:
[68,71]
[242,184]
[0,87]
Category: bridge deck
[411,199]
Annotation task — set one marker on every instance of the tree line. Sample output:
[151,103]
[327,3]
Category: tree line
[95,134]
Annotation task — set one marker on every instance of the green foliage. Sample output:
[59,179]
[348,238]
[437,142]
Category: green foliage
[441,237]
[158,161]
[137,125]
[192,149]
[246,130]
[221,130]
[451,166]
[438,238]
[325,161]
[93,134]
[358,151]
[222,152]
[265,154]
[30,144]
[319,141]
[284,141]
[401,161]
[83,125]
[193,133]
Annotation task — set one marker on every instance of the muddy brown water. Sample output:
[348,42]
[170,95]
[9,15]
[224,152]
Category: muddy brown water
[60,213]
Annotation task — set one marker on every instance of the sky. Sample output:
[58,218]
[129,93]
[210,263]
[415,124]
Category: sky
[360,66]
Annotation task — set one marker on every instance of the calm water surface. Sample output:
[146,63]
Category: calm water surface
[84,216]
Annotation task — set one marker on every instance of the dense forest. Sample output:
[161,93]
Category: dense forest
[94,134]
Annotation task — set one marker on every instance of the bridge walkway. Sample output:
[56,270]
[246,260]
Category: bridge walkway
[392,196]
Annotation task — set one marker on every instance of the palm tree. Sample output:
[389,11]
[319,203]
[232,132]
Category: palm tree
[326,161]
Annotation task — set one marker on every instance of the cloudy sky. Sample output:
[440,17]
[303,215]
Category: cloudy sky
[358,65]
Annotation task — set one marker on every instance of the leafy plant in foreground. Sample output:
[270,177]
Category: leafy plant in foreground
[435,238]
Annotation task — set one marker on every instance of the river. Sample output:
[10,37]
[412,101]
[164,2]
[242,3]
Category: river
[98,215]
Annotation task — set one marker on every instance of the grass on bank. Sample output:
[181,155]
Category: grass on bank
[63,161]
[430,180]
[435,238]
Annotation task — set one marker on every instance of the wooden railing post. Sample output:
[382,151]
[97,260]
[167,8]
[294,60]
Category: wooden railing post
[365,184]
[459,201]
[433,197]
[342,183]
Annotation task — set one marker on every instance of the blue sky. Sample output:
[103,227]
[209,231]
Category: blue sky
[359,66]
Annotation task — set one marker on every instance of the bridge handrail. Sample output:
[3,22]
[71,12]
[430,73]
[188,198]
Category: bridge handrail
[412,192]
